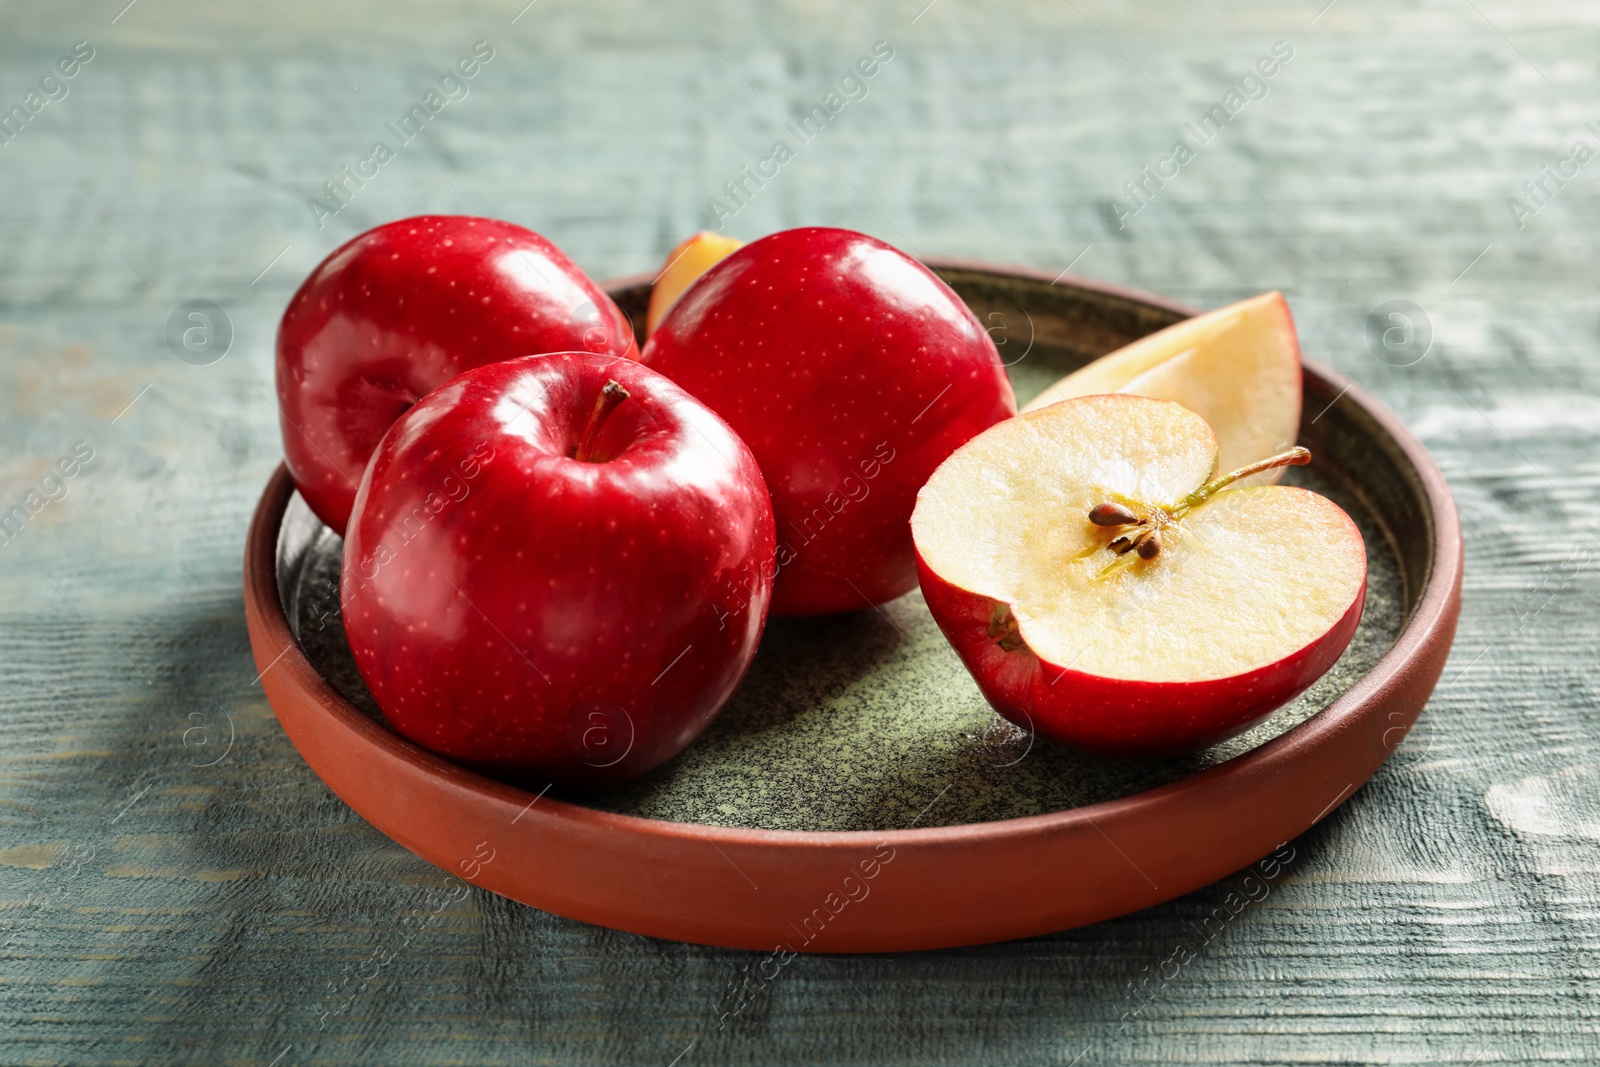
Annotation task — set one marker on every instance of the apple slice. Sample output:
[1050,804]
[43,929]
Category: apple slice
[1237,367]
[1105,593]
[685,264]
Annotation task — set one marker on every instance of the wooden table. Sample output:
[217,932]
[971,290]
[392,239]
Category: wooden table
[176,886]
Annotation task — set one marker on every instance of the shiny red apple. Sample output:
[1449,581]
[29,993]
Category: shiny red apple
[557,569]
[402,309]
[851,371]
[1108,591]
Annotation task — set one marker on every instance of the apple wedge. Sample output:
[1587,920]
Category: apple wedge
[692,258]
[1110,593]
[1237,367]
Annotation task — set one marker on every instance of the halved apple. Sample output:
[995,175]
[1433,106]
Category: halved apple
[692,258]
[1237,367]
[1107,591]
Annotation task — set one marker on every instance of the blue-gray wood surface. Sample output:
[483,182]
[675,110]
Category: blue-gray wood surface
[176,885]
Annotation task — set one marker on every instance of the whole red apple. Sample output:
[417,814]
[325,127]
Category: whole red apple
[402,309]
[852,371]
[1107,590]
[558,568]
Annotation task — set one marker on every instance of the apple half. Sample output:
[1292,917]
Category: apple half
[685,263]
[1238,367]
[1107,591]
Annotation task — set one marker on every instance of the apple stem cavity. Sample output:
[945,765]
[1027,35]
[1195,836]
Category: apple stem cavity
[1003,628]
[611,395]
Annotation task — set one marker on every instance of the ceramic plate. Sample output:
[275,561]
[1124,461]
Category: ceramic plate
[857,795]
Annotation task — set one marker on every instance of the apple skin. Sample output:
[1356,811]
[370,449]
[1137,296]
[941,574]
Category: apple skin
[1121,717]
[852,372]
[545,618]
[401,309]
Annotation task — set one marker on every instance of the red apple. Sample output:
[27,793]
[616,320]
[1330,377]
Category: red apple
[558,568]
[402,309]
[1105,593]
[852,372]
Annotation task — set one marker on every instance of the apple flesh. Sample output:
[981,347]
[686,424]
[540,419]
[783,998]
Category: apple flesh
[557,569]
[1237,367]
[400,310]
[683,268]
[852,372]
[1251,595]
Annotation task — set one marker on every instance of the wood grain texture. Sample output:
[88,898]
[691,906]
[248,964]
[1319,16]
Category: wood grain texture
[166,897]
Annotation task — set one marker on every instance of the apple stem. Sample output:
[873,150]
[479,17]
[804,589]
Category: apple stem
[1141,535]
[1292,458]
[610,396]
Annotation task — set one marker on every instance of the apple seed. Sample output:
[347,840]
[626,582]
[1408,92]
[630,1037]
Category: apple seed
[1111,514]
[1145,537]
[1135,539]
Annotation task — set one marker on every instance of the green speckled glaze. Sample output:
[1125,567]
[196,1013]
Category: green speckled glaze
[868,721]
